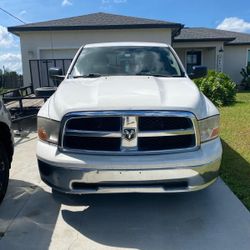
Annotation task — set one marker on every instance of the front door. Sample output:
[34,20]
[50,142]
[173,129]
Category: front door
[193,59]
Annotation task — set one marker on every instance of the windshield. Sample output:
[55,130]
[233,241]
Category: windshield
[111,61]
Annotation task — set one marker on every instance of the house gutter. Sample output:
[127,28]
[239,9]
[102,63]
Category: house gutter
[191,40]
[21,28]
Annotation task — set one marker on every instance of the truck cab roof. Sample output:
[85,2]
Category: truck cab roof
[116,44]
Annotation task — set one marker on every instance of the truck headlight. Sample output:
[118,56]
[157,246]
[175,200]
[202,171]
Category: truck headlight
[209,128]
[48,130]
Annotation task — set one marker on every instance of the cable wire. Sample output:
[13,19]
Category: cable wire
[7,12]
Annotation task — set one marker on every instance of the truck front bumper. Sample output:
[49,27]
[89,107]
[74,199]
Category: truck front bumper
[180,172]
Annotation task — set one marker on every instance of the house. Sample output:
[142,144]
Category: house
[224,51]
[54,43]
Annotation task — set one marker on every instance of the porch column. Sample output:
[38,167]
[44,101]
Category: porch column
[219,58]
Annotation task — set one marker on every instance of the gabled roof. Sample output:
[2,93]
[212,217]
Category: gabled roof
[206,34]
[96,21]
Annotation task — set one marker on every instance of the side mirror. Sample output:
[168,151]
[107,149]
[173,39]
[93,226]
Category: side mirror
[56,75]
[198,72]
[55,72]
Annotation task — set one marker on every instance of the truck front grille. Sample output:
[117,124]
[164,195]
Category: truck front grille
[128,132]
[96,124]
[163,123]
[92,143]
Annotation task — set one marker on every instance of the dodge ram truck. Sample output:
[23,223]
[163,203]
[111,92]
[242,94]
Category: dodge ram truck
[128,118]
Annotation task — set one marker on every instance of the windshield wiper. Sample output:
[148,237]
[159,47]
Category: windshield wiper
[152,74]
[90,75]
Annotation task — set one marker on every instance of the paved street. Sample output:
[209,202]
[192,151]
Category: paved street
[31,217]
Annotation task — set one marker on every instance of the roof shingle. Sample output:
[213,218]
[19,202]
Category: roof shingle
[206,34]
[96,21]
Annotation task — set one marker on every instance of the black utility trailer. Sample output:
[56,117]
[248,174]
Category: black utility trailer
[25,102]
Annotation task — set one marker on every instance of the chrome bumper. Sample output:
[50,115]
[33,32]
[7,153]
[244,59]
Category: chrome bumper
[82,173]
[119,181]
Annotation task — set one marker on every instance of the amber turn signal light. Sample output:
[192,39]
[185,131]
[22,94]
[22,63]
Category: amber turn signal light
[42,134]
[215,132]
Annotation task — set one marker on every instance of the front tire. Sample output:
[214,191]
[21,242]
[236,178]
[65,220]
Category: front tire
[4,171]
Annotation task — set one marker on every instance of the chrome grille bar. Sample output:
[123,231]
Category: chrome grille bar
[88,133]
[167,133]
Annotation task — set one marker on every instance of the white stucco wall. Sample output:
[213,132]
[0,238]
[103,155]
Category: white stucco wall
[209,58]
[64,44]
[235,58]
[57,53]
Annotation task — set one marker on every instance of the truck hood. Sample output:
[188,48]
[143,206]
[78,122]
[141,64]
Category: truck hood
[126,93]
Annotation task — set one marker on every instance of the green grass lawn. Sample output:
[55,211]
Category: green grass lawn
[235,135]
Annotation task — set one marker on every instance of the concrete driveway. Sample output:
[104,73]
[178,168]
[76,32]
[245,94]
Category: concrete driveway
[31,217]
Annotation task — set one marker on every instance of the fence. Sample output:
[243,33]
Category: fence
[39,71]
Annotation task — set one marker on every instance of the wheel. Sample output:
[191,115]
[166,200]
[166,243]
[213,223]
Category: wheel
[4,171]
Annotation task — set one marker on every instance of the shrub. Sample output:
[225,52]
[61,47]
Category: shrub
[245,72]
[218,87]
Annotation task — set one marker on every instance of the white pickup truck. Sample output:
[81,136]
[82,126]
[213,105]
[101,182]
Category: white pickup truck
[127,118]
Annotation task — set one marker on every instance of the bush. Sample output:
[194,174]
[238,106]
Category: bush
[245,72]
[218,87]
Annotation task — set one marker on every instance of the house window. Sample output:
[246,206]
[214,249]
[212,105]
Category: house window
[193,59]
[248,58]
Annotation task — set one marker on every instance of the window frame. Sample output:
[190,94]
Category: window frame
[192,50]
[248,59]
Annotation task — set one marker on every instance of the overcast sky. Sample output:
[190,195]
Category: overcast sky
[222,14]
